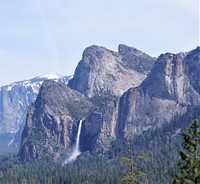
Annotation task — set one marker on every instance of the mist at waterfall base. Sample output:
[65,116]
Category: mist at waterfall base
[76,150]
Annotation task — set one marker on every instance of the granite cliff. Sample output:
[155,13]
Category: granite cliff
[51,124]
[167,91]
[111,106]
[102,71]
[14,101]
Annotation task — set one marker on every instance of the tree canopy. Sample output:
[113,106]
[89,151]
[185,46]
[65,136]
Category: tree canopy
[190,158]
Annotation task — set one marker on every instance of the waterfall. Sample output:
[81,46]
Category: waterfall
[76,150]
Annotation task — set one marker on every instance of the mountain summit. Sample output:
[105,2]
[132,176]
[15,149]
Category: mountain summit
[102,71]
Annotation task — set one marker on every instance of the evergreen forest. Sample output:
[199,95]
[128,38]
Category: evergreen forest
[159,149]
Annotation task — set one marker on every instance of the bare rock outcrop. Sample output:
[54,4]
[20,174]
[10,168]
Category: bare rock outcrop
[99,127]
[102,71]
[167,91]
[101,77]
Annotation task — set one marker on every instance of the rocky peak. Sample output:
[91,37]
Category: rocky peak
[102,71]
[124,50]
[162,79]
[96,53]
[168,79]
[136,59]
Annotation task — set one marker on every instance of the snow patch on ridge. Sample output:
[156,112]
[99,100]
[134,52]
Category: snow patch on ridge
[52,76]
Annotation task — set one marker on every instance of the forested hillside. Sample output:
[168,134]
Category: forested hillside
[159,146]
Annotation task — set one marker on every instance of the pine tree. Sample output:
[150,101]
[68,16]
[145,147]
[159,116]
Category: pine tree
[190,159]
[134,175]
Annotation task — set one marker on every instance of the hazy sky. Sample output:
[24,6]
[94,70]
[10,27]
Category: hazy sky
[38,37]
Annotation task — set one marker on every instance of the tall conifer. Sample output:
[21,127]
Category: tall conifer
[190,158]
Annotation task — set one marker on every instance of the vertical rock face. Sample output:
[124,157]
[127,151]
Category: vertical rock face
[169,80]
[192,68]
[49,125]
[14,101]
[139,111]
[167,90]
[103,75]
[102,71]
[99,128]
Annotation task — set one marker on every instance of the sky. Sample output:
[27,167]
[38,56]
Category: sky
[38,37]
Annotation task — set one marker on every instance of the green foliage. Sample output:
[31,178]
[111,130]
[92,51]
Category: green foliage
[161,146]
[99,100]
[79,110]
[135,175]
[129,178]
[133,178]
[190,159]
[82,109]
[88,169]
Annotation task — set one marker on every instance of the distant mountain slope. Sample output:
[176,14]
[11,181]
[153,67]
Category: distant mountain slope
[14,101]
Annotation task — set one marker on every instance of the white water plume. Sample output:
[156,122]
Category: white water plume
[76,150]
